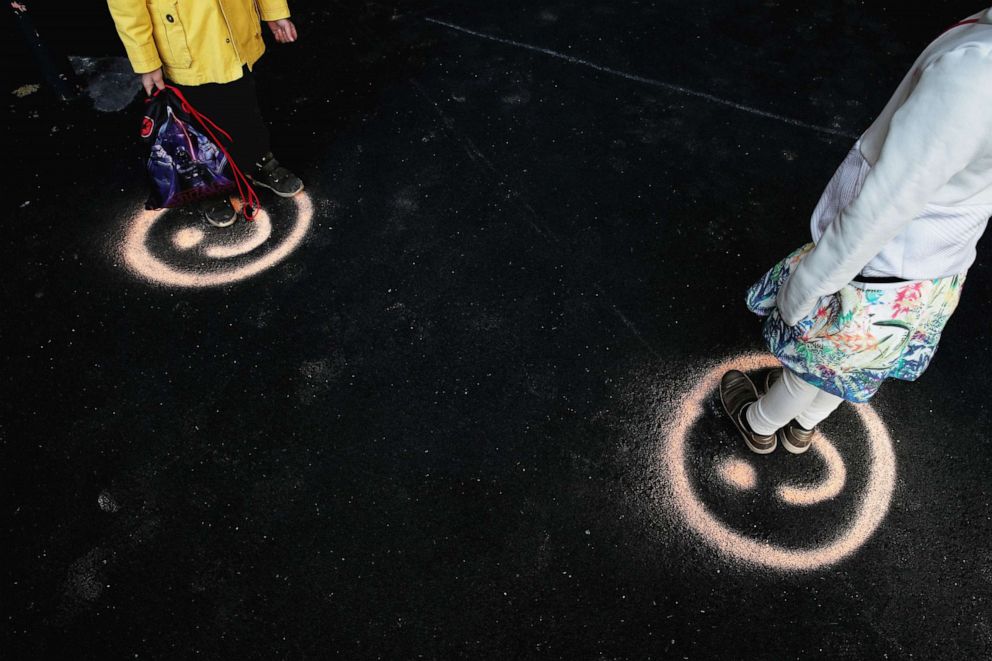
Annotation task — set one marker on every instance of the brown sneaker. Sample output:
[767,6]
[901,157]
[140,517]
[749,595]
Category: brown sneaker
[795,438]
[737,393]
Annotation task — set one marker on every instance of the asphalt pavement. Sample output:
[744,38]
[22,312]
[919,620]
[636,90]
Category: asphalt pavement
[456,400]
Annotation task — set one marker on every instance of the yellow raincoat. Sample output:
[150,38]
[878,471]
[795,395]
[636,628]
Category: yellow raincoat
[194,41]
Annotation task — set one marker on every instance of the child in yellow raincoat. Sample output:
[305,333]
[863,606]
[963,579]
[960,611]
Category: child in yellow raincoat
[208,48]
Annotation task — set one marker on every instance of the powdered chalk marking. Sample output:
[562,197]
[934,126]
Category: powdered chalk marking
[206,263]
[831,487]
[871,508]
[738,474]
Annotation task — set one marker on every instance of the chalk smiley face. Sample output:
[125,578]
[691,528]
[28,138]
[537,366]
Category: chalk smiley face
[692,479]
[190,255]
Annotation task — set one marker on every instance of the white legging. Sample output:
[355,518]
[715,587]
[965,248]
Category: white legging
[790,399]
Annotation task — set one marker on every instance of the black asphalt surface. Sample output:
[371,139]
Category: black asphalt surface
[434,429]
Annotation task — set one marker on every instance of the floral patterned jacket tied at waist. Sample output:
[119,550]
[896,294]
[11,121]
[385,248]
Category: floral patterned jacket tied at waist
[855,339]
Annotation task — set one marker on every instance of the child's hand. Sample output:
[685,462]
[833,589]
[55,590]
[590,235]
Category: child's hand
[152,80]
[283,30]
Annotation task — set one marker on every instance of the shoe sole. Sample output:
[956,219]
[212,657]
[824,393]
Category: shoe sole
[226,223]
[747,441]
[294,193]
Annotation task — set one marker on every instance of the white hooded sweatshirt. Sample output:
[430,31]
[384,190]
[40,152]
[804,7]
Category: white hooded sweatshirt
[914,196]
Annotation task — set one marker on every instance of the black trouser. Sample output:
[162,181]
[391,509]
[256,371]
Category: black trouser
[234,108]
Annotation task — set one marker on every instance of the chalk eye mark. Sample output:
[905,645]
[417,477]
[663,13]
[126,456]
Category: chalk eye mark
[738,474]
[187,238]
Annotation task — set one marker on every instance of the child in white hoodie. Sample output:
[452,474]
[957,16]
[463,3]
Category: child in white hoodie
[894,234]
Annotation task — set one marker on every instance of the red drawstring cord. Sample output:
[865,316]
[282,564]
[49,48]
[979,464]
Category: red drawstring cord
[249,198]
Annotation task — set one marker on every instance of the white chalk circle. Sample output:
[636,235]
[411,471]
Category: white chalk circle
[221,264]
[869,513]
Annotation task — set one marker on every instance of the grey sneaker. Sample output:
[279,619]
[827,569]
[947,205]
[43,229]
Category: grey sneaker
[737,392]
[219,212]
[794,437]
[271,175]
